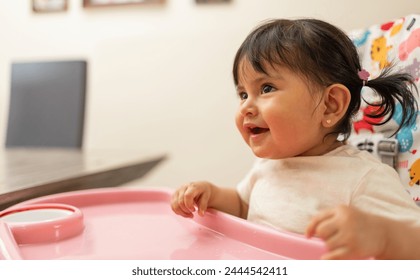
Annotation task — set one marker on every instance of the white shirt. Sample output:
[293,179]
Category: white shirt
[287,193]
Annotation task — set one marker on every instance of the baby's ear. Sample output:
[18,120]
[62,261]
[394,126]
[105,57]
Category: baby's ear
[336,100]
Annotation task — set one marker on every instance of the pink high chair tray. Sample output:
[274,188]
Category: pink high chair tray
[126,224]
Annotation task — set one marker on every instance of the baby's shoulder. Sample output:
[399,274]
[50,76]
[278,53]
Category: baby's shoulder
[359,161]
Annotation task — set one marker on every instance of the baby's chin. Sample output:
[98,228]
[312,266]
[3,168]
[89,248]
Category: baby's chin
[270,155]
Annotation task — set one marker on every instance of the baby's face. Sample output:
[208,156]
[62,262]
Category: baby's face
[278,115]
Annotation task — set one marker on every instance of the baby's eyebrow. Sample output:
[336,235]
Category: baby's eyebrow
[239,88]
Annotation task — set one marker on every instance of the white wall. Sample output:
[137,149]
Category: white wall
[160,76]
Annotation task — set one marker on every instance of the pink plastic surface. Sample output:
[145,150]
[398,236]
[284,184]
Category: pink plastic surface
[47,230]
[118,223]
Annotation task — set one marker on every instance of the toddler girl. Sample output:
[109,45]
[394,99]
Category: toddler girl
[298,84]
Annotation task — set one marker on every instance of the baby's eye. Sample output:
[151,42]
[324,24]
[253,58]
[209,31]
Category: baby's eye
[243,95]
[267,88]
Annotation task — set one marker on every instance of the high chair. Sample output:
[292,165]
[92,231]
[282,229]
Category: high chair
[139,224]
[397,42]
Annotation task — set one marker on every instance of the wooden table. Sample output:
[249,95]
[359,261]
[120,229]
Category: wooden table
[30,173]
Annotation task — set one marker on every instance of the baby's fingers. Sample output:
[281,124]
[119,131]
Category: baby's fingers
[178,205]
[188,197]
[313,227]
[191,195]
[203,203]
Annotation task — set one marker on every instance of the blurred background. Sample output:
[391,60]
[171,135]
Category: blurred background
[159,74]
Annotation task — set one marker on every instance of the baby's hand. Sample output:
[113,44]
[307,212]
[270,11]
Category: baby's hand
[188,197]
[348,233]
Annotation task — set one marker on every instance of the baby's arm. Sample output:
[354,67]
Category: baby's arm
[205,195]
[352,234]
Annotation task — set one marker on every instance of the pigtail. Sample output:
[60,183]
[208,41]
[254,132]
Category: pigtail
[392,88]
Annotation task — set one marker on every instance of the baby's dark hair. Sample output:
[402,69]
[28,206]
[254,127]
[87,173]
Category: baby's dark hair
[325,55]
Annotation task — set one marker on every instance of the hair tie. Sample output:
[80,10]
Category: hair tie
[364,76]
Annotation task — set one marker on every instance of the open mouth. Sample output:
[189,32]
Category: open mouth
[257,130]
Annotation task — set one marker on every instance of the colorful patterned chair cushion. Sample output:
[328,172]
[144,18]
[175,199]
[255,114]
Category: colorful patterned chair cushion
[397,41]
